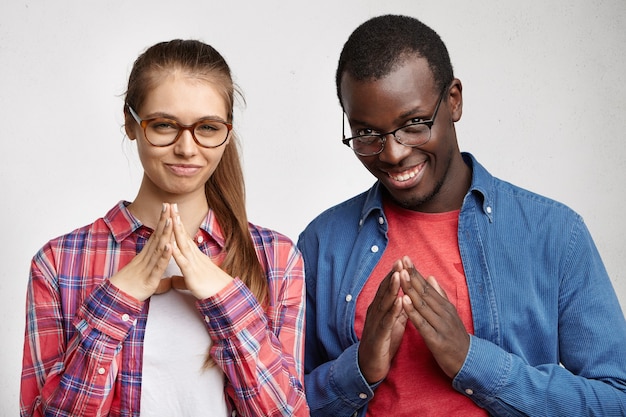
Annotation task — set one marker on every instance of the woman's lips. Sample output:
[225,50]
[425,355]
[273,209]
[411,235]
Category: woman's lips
[184,170]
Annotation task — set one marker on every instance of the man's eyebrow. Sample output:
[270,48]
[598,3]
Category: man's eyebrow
[413,113]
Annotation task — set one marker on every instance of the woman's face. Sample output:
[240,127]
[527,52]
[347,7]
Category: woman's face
[181,169]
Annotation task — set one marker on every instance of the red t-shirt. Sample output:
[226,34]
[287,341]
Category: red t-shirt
[415,385]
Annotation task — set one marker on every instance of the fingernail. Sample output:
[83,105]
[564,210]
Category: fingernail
[163,208]
[167,222]
[175,207]
[177,219]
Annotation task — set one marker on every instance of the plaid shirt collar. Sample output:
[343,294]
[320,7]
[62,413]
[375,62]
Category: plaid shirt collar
[122,224]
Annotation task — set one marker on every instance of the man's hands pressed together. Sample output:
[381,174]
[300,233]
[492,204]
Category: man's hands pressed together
[384,326]
[435,318]
[404,295]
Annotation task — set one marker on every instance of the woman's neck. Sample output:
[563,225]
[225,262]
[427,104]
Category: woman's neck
[192,209]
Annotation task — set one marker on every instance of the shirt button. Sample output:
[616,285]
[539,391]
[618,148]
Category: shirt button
[374,248]
[200,239]
[488,209]
[469,391]
[363,396]
[349,298]
[125,317]
[101,371]
[361,222]
[381,220]
[207,319]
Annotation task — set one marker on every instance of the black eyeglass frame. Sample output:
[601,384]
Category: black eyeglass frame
[383,136]
[181,128]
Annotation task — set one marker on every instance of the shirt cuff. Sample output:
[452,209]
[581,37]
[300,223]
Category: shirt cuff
[346,377]
[110,311]
[230,310]
[484,372]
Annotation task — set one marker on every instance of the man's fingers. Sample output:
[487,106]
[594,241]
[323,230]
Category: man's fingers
[433,283]
[393,314]
[387,292]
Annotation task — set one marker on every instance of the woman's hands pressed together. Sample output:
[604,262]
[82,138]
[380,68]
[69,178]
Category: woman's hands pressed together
[142,277]
[200,274]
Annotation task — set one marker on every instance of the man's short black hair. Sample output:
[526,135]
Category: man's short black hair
[377,46]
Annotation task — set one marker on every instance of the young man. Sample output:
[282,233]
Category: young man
[516,315]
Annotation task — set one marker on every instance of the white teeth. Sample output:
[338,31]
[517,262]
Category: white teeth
[404,177]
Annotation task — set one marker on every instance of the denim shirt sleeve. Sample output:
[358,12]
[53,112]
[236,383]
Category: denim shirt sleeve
[550,336]
[338,258]
[337,387]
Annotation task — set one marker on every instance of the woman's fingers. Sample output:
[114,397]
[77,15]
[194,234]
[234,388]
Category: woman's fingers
[201,275]
[142,276]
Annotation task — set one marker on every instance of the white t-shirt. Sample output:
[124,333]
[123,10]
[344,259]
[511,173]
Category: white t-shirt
[175,381]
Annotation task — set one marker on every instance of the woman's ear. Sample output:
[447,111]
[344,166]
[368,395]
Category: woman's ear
[455,99]
[129,123]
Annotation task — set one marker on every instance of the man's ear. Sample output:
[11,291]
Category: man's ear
[455,99]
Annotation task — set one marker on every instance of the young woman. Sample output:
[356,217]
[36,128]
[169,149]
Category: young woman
[172,305]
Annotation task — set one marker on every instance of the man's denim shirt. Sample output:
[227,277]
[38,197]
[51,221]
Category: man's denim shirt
[550,337]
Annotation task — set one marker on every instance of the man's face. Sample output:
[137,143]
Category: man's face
[427,178]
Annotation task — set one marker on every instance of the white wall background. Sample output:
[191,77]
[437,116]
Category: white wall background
[544,89]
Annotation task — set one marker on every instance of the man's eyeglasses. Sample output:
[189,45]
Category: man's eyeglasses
[161,131]
[411,135]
